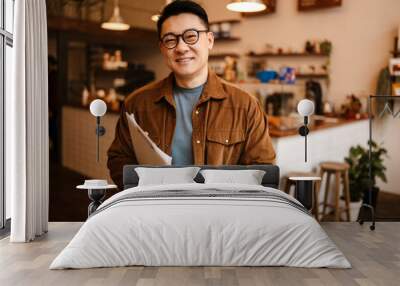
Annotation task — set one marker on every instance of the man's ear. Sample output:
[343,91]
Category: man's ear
[210,38]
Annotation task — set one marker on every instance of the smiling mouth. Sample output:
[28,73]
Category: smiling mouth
[184,60]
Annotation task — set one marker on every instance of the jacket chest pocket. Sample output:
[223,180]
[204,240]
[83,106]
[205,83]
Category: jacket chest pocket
[224,146]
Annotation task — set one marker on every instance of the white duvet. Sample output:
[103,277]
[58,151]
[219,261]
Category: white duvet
[183,231]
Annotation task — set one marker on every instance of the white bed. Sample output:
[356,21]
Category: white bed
[203,225]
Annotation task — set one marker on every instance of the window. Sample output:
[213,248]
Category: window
[6,65]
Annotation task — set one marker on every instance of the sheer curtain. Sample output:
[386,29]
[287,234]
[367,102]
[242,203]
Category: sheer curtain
[27,158]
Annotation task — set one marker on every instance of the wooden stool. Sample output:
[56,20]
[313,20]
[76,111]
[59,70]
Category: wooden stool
[289,183]
[340,170]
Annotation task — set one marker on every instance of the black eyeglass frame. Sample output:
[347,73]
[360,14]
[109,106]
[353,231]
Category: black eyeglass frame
[182,37]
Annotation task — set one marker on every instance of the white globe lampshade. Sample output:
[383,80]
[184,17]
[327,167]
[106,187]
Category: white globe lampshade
[98,107]
[305,107]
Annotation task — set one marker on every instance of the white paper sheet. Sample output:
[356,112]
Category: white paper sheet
[146,151]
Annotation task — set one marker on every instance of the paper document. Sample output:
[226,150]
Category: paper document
[146,151]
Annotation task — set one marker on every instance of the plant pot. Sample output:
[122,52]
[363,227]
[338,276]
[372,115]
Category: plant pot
[354,210]
[374,197]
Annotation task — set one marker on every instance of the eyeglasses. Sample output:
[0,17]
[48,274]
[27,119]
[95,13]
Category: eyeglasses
[190,37]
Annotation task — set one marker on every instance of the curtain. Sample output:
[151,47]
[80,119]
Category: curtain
[27,143]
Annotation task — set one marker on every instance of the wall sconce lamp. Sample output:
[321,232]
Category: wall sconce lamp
[98,108]
[305,108]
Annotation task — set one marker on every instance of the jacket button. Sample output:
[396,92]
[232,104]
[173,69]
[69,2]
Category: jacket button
[197,111]
[198,141]
[226,141]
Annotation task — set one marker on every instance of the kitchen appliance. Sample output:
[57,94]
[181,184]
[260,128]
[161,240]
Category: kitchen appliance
[314,93]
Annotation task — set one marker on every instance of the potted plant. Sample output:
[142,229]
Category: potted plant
[359,180]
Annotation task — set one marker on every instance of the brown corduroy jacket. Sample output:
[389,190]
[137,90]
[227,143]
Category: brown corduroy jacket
[229,126]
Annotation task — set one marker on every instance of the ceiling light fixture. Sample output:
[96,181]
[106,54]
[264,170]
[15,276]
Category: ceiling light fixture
[116,22]
[246,6]
[155,17]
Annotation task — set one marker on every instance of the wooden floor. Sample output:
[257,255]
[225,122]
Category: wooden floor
[375,257]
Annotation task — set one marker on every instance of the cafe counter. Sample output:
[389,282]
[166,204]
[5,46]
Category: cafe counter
[326,141]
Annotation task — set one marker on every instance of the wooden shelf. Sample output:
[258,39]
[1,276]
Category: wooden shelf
[233,21]
[259,55]
[99,70]
[227,39]
[312,75]
[223,55]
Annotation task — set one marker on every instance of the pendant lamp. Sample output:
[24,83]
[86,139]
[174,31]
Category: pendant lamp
[246,6]
[155,17]
[116,22]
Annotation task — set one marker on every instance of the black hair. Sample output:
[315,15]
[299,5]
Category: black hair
[179,7]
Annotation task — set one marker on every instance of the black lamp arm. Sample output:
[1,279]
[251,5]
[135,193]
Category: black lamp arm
[100,131]
[303,131]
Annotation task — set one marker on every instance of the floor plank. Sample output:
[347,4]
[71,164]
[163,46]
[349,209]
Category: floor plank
[375,256]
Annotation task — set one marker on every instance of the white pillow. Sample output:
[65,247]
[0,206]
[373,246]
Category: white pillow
[163,176]
[248,177]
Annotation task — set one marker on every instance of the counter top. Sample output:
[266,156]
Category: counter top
[273,132]
[319,125]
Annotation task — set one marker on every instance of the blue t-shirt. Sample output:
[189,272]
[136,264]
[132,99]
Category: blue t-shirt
[185,100]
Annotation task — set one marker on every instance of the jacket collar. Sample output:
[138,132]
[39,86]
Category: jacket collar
[212,89]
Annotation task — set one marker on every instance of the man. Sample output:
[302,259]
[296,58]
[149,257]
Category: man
[192,114]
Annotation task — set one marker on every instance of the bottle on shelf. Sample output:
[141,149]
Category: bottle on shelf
[85,97]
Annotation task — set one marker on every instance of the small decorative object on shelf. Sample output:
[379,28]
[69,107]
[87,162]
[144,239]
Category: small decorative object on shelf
[230,69]
[114,62]
[85,97]
[325,47]
[222,30]
[394,67]
[351,109]
[225,30]
[287,75]
[310,47]
[396,88]
[214,28]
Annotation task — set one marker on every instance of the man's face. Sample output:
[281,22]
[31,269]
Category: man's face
[186,60]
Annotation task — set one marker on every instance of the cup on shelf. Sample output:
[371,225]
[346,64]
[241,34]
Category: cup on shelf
[215,29]
[225,29]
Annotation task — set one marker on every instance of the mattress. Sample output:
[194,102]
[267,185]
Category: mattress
[201,225]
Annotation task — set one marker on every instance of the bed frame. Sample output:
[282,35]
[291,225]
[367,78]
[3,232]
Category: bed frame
[270,179]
